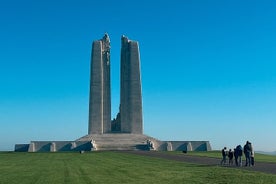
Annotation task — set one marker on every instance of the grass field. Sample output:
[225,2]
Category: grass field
[113,167]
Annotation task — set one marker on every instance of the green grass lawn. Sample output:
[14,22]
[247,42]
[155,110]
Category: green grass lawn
[111,167]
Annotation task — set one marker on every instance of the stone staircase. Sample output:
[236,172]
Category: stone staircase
[118,141]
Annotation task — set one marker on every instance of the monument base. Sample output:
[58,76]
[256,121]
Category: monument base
[113,141]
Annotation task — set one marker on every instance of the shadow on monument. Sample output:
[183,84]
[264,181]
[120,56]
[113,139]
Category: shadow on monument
[142,147]
[45,148]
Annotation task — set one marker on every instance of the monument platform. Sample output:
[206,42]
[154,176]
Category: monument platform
[112,142]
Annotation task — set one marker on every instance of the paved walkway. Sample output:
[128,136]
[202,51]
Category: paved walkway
[260,166]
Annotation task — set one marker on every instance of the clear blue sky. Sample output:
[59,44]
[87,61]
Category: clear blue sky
[208,68]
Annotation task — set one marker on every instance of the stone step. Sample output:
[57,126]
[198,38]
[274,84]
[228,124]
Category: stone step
[139,137]
[121,147]
[118,141]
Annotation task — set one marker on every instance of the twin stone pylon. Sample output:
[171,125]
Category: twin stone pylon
[129,119]
[125,132]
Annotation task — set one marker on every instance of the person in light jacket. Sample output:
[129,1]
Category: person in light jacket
[252,156]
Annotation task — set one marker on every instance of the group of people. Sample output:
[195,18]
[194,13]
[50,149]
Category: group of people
[237,153]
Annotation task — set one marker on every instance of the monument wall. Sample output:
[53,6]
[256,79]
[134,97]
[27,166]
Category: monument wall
[54,146]
[114,142]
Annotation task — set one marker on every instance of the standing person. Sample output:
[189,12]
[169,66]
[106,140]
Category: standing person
[239,152]
[236,156]
[223,153]
[230,156]
[247,153]
[252,156]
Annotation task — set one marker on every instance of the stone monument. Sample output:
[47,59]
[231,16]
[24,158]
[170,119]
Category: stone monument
[125,132]
[129,118]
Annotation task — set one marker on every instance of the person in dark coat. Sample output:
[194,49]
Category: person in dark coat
[236,155]
[224,154]
[247,152]
[230,156]
[239,152]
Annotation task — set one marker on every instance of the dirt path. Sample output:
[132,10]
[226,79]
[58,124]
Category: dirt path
[260,166]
